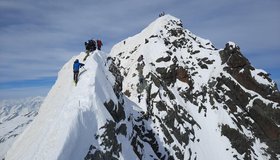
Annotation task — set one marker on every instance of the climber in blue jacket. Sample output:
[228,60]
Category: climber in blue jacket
[76,66]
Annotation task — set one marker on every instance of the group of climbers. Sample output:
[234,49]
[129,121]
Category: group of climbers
[90,46]
[161,14]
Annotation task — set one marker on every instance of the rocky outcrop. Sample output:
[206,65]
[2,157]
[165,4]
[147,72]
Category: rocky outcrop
[187,86]
[238,141]
[239,67]
[109,142]
[266,123]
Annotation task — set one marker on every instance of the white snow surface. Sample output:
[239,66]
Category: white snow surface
[71,116]
[260,79]
[68,117]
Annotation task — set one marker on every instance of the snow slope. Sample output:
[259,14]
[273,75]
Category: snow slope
[15,116]
[164,93]
[67,117]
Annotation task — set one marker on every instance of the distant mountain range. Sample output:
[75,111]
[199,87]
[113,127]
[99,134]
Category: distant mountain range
[15,116]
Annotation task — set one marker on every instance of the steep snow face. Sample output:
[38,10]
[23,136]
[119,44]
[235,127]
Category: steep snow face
[69,117]
[164,93]
[15,116]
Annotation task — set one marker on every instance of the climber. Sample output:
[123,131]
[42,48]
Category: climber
[99,44]
[76,66]
[161,14]
[86,46]
[87,50]
[90,47]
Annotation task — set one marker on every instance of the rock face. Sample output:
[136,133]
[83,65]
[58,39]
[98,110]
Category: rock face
[194,101]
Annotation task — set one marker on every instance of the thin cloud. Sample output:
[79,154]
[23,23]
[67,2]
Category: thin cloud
[24,92]
[38,37]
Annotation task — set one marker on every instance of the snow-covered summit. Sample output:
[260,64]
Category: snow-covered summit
[164,93]
[160,30]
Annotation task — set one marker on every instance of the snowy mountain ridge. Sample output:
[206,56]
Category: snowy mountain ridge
[164,93]
[15,116]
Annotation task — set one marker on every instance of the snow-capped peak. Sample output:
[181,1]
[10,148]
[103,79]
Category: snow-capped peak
[164,93]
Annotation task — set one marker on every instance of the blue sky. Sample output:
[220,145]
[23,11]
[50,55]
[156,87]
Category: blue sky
[38,37]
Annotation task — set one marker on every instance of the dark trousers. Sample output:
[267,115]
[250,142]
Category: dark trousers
[76,74]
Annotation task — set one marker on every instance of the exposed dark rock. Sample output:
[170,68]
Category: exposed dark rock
[182,75]
[179,43]
[262,114]
[127,93]
[119,78]
[206,60]
[135,49]
[142,85]
[166,42]
[153,36]
[240,99]
[122,129]
[140,58]
[155,79]
[167,75]
[146,41]
[161,106]
[110,131]
[109,142]
[195,52]
[169,53]
[141,136]
[149,100]
[99,155]
[116,111]
[239,67]
[176,32]
[165,59]
[203,66]
[238,141]
[265,76]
